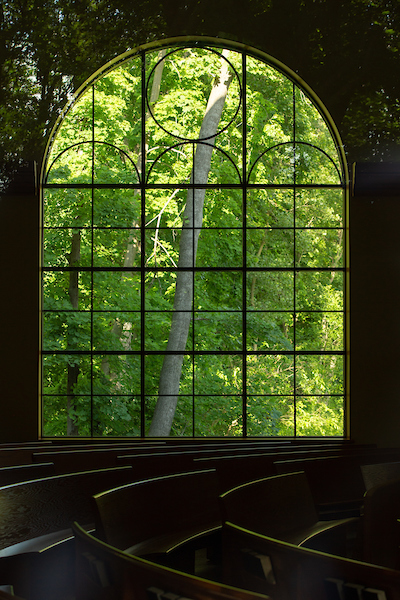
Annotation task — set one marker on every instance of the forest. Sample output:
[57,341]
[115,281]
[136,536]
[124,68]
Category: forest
[193,253]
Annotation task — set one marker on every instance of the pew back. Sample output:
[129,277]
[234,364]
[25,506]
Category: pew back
[105,573]
[285,571]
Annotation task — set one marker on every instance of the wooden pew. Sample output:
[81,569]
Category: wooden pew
[288,572]
[35,528]
[81,459]
[380,473]
[106,573]
[336,482]
[282,506]
[381,526]
[233,470]
[20,473]
[157,517]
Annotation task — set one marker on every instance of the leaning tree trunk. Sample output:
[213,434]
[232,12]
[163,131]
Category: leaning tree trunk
[192,222]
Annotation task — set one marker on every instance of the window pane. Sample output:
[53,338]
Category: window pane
[218,330]
[319,374]
[320,416]
[270,248]
[270,331]
[270,415]
[218,416]
[269,374]
[270,291]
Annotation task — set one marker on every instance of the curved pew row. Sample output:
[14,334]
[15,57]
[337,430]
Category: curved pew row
[170,519]
[36,542]
[287,572]
[336,482]
[106,573]
[283,507]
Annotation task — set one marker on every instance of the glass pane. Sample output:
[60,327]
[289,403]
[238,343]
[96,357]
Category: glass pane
[158,329]
[218,290]
[270,208]
[76,126]
[73,165]
[116,331]
[276,165]
[187,76]
[218,331]
[223,208]
[117,208]
[314,167]
[116,416]
[270,248]
[116,290]
[269,331]
[113,165]
[319,374]
[269,107]
[269,374]
[320,416]
[160,290]
[162,247]
[183,419]
[164,208]
[57,409]
[319,290]
[116,374]
[270,415]
[319,248]
[218,375]
[56,289]
[153,366]
[66,331]
[117,106]
[111,248]
[319,331]
[220,248]
[59,244]
[218,416]
[66,373]
[319,208]
[67,207]
[271,290]
[311,127]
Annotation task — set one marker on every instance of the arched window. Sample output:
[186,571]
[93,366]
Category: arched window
[194,251]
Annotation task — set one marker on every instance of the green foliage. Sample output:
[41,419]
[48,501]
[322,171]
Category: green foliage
[288,365]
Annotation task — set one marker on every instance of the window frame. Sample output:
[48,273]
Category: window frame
[244,186]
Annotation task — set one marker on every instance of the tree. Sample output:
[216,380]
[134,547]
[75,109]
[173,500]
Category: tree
[192,222]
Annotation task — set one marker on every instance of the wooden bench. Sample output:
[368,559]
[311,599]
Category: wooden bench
[106,573]
[20,473]
[165,518]
[233,470]
[35,527]
[81,459]
[288,572]
[336,482]
[381,526]
[380,473]
[282,506]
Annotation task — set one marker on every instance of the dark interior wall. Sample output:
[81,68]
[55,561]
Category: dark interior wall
[375,319]
[19,310]
[374,240]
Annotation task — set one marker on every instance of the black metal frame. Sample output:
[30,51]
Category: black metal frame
[244,185]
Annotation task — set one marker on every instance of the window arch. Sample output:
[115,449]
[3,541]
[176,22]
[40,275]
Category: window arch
[193,268]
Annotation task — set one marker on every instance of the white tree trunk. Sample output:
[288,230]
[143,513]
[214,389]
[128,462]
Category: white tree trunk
[192,222]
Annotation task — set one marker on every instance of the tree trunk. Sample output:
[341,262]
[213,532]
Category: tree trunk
[73,370]
[192,222]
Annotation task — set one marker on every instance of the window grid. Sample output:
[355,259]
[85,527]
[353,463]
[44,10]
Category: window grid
[143,187]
